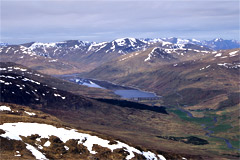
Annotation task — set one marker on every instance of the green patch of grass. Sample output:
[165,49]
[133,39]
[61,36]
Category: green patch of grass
[224,117]
[225,148]
[203,120]
[235,144]
[199,110]
[234,131]
[219,144]
[184,116]
[215,140]
[221,128]
[180,114]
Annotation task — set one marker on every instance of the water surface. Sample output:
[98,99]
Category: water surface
[132,93]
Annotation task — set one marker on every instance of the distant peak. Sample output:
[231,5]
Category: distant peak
[125,38]
[195,40]
[218,39]
[3,44]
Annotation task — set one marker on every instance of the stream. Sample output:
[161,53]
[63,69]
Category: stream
[208,129]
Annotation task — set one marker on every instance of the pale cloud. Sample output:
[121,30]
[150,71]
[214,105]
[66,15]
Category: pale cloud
[45,20]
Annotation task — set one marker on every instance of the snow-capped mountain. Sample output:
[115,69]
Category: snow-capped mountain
[119,46]
[89,55]
[116,47]
[220,43]
[86,55]
[3,44]
[26,56]
[215,44]
[58,49]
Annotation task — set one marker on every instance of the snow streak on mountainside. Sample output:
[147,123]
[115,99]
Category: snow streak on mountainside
[159,53]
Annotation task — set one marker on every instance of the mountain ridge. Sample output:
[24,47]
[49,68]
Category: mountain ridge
[83,56]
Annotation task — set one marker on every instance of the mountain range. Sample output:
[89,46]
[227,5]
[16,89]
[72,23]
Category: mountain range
[82,56]
[193,116]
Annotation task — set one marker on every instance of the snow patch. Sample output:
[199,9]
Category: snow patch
[120,41]
[5,108]
[47,144]
[14,130]
[205,51]
[30,80]
[67,148]
[94,44]
[35,152]
[3,69]
[224,57]
[205,67]
[229,65]
[131,55]
[91,84]
[58,95]
[166,43]
[30,113]
[53,60]
[218,55]
[21,69]
[233,53]
[17,154]
[150,55]
[161,157]
[195,40]
[40,147]
[150,155]
[44,45]
[10,77]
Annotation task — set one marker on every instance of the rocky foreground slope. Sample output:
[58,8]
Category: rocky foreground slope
[31,134]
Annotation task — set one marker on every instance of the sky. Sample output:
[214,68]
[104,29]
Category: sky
[105,20]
